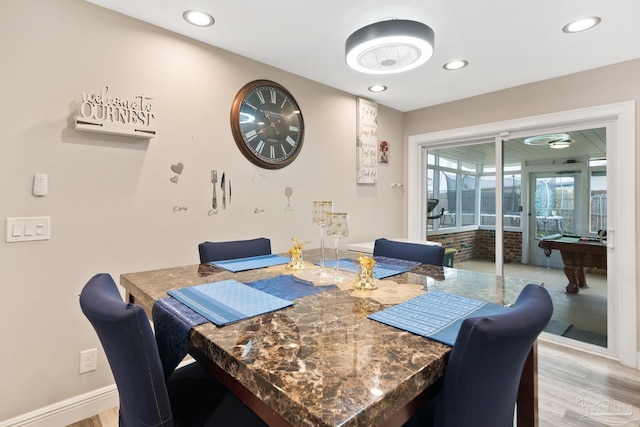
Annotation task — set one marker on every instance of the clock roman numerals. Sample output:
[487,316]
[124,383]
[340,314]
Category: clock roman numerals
[267,124]
[251,134]
[273,97]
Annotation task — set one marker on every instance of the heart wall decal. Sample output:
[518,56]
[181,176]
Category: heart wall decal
[174,179]
[177,168]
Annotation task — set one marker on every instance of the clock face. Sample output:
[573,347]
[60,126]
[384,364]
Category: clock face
[267,124]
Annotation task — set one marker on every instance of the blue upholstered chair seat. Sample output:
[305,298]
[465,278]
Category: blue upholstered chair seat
[480,385]
[190,396]
[426,254]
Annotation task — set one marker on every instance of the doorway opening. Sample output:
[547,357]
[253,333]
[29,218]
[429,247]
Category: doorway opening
[617,122]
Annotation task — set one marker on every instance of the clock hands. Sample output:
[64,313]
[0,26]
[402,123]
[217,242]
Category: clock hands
[272,124]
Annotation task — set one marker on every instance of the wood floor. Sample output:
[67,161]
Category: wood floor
[575,389]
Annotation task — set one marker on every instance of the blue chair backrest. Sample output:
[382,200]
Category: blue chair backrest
[128,341]
[219,251]
[483,373]
[426,254]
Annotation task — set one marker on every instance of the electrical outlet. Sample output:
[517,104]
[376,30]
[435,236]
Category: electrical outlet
[88,359]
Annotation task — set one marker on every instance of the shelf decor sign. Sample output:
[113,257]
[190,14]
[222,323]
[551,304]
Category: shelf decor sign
[367,142]
[101,112]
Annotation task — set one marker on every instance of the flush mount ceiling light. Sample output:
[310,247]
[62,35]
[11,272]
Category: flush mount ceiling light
[560,144]
[582,24]
[198,17]
[553,140]
[389,47]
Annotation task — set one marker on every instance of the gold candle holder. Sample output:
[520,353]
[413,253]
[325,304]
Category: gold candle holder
[365,280]
[296,262]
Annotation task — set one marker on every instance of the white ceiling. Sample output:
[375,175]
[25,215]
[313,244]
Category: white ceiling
[507,42]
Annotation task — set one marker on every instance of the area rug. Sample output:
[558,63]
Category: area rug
[557,327]
[586,336]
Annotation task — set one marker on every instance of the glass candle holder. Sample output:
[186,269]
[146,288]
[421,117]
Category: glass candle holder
[338,227]
[320,216]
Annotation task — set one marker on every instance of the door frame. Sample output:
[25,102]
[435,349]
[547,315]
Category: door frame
[620,119]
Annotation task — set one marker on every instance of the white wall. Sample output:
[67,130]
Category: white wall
[110,199]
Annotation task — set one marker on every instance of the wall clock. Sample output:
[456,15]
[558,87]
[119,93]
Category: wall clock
[267,124]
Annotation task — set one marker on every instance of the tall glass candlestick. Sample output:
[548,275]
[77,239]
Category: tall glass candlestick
[338,227]
[321,211]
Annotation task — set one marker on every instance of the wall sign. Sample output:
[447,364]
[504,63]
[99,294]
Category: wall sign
[100,112]
[367,142]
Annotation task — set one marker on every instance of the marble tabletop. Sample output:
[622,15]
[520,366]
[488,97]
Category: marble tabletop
[321,362]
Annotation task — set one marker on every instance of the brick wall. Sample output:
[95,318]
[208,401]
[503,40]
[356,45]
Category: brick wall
[481,244]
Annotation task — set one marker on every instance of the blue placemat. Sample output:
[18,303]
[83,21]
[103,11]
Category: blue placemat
[380,270]
[228,301]
[435,315]
[288,287]
[242,264]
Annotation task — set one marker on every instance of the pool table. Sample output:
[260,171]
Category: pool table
[577,253]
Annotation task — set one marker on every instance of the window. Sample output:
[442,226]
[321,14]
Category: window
[467,192]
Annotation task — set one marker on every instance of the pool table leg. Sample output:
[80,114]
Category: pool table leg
[576,277]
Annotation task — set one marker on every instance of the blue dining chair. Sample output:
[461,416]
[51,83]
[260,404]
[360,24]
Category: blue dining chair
[190,396]
[219,251]
[480,384]
[426,254]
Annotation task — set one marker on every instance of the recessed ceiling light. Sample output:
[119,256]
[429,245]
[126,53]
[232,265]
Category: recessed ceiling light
[582,24]
[377,88]
[455,65]
[198,17]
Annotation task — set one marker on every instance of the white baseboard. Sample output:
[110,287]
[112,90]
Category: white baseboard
[68,411]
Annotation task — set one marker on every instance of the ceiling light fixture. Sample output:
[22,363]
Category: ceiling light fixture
[198,17]
[455,65]
[553,140]
[560,144]
[377,88]
[389,47]
[582,24]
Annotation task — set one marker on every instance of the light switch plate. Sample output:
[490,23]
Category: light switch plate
[27,229]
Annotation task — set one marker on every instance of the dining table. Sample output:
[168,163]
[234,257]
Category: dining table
[322,360]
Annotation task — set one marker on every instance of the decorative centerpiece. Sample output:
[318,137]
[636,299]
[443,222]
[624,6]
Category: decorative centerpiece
[365,280]
[295,255]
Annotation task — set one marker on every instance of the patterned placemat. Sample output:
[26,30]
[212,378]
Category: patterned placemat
[228,301]
[390,292]
[380,270]
[250,263]
[436,315]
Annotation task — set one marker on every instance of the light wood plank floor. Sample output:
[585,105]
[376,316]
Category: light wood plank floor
[573,386]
